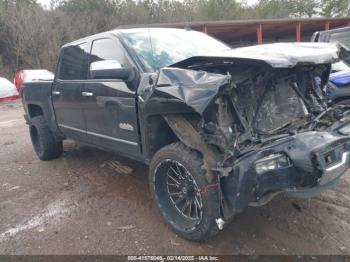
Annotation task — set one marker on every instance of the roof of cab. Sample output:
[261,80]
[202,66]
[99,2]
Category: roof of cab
[117,32]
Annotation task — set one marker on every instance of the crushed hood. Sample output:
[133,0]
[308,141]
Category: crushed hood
[278,55]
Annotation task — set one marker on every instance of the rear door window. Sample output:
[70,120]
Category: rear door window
[73,62]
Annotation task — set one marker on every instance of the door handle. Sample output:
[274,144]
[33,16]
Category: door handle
[56,93]
[87,94]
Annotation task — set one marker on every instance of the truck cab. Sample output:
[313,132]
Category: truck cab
[90,106]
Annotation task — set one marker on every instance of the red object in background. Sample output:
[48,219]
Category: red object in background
[8,99]
[18,80]
[31,75]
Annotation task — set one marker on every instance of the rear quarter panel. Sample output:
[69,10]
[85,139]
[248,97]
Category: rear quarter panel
[38,93]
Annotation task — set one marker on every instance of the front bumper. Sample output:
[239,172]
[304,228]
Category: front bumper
[328,179]
[319,159]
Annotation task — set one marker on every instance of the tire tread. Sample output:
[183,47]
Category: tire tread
[52,148]
[193,158]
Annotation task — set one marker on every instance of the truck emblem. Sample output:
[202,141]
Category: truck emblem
[126,126]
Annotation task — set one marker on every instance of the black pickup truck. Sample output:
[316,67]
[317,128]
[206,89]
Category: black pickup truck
[220,128]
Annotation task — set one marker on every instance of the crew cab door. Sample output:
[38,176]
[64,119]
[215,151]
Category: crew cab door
[66,91]
[109,105]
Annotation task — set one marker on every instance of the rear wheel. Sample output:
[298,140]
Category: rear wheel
[44,142]
[184,197]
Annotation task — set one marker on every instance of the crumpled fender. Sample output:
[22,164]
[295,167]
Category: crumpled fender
[196,89]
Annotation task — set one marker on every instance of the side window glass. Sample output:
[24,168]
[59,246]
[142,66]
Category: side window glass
[106,53]
[73,63]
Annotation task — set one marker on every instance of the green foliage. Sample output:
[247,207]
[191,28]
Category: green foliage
[273,9]
[302,8]
[335,8]
[81,6]
[217,9]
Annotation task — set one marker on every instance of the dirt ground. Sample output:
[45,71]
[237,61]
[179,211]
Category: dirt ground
[92,202]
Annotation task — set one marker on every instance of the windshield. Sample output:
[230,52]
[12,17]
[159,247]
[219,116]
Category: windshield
[160,47]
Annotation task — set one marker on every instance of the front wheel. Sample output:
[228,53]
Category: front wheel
[187,202]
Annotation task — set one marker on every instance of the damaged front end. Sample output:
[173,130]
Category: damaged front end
[263,126]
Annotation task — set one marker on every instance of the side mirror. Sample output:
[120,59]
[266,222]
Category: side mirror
[110,69]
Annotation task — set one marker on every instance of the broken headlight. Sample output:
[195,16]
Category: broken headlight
[272,162]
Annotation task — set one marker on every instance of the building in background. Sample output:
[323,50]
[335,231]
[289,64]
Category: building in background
[250,32]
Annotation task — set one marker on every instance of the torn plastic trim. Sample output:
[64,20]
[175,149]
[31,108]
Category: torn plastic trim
[297,192]
[192,139]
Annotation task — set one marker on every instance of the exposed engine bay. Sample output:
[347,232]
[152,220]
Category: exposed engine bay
[263,127]
[261,104]
[246,105]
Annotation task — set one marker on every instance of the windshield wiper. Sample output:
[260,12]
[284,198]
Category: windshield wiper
[209,64]
[286,125]
[272,138]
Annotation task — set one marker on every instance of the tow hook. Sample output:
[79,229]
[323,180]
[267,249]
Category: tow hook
[220,223]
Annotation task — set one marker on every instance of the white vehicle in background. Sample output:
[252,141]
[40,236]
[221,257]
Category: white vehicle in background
[8,90]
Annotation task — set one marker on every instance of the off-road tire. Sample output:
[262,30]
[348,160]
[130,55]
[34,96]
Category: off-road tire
[193,162]
[44,143]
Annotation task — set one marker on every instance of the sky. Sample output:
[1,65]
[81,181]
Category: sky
[44,3]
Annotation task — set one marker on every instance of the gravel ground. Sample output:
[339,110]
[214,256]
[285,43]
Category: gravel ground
[92,202]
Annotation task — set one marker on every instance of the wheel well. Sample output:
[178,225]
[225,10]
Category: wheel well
[35,110]
[159,134]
